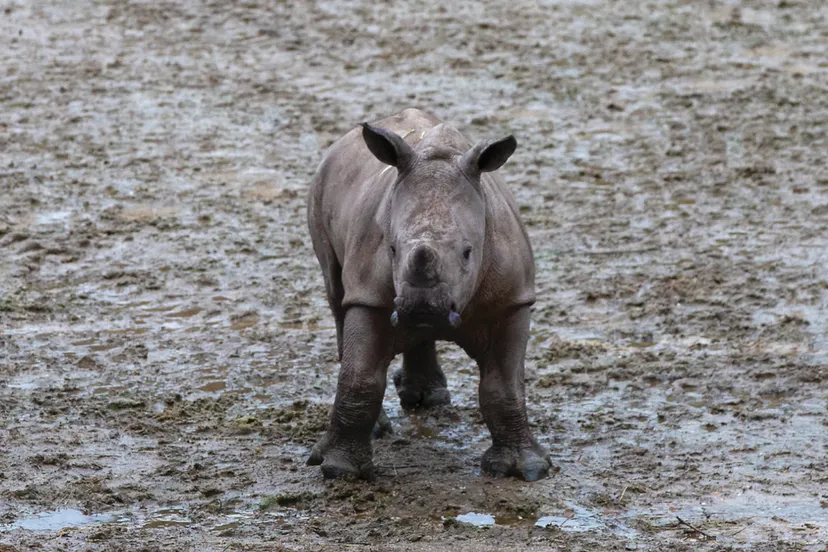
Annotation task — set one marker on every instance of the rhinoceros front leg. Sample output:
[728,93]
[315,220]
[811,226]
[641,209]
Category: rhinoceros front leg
[345,450]
[500,353]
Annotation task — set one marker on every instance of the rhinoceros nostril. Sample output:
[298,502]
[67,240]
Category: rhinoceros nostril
[422,257]
[422,267]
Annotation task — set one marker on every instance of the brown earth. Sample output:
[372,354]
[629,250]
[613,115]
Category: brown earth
[167,354]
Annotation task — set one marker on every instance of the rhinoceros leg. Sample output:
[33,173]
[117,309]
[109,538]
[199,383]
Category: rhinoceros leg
[345,450]
[421,382]
[332,275]
[500,353]
[383,426]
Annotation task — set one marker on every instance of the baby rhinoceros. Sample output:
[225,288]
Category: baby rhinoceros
[420,240]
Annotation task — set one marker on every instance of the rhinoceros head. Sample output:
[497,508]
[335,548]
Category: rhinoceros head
[436,225]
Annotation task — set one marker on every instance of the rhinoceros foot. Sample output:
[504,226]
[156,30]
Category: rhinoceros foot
[527,462]
[421,393]
[342,461]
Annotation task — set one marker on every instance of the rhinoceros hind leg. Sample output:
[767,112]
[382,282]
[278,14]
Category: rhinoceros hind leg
[421,382]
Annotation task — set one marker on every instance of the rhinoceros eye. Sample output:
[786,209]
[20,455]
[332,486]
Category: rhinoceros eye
[467,253]
[393,251]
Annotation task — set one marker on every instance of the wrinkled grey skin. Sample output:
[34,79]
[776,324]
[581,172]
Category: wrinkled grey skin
[420,241]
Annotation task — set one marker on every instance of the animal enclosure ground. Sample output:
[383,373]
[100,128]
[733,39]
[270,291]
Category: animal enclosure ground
[167,354]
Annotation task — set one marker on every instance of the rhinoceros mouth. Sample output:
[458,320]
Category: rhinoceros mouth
[426,320]
[425,307]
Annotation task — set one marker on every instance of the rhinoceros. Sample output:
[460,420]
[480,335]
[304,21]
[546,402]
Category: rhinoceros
[419,240]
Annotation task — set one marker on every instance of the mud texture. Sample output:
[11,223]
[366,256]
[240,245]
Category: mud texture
[167,354]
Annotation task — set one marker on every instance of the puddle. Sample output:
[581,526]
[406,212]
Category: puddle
[165,308]
[186,313]
[23,385]
[126,331]
[710,86]
[227,526]
[641,344]
[478,520]
[105,347]
[488,520]
[166,522]
[578,519]
[421,430]
[244,321]
[748,517]
[68,518]
[214,386]
[58,520]
[233,522]
[167,517]
[133,304]
[575,519]
[54,217]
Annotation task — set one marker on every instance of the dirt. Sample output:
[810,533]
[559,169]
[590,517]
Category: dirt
[167,355]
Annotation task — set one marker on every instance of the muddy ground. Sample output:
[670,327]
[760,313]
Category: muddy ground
[167,354]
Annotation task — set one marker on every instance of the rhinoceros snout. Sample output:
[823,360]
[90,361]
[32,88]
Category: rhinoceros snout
[418,306]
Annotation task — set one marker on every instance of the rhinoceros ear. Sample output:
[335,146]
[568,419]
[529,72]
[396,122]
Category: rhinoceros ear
[490,155]
[387,146]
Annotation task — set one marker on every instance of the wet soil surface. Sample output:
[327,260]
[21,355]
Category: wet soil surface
[167,355]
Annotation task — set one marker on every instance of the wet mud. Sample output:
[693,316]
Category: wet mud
[167,355]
